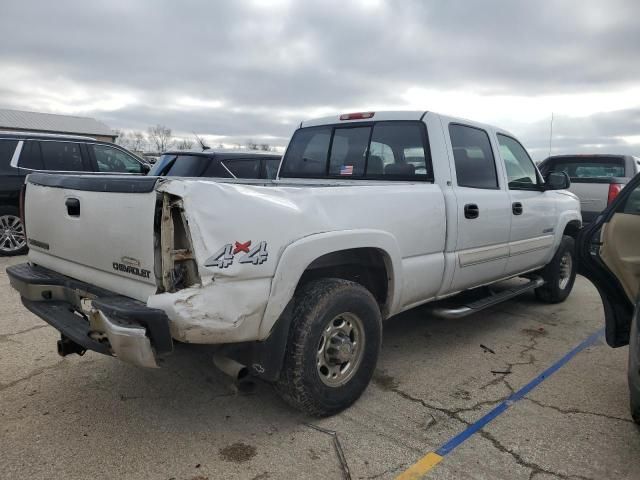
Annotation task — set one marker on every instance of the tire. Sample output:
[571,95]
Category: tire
[558,276]
[12,237]
[333,346]
[633,374]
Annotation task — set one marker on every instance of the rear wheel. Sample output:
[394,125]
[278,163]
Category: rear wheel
[333,346]
[560,274]
[12,238]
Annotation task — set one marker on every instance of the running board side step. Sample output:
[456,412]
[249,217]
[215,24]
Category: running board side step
[473,307]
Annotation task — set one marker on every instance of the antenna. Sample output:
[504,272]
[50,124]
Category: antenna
[550,134]
[202,144]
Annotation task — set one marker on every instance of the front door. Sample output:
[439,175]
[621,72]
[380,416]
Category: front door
[483,209]
[608,253]
[532,210]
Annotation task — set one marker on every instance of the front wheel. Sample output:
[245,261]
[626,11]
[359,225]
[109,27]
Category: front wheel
[560,274]
[333,346]
[12,237]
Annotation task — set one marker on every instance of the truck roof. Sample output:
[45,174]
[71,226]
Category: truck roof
[377,116]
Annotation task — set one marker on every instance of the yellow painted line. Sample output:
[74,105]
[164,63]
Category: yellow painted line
[421,467]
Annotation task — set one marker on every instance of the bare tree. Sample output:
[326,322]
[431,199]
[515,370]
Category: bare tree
[265,147]
[122,137]
[251,145]
[184,144]
[137,141]
[160,137]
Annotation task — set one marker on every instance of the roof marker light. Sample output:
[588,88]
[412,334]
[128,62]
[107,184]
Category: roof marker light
[357,115]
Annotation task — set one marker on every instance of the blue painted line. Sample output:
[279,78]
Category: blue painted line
[514,397]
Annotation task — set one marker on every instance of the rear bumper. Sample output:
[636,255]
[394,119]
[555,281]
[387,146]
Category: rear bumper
[94,318]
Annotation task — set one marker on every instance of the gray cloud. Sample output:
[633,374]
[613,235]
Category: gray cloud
[270,66]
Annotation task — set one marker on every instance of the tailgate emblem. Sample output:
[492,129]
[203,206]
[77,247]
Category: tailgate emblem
[132,266]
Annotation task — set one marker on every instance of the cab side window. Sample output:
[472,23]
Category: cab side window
[61,156]
[112,160]
[521,171]
[473,157]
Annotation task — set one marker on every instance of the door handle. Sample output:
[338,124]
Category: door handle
[73,207]
[471,211]
[516,208]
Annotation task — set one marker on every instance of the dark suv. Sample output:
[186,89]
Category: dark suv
[22,153]
[217,163]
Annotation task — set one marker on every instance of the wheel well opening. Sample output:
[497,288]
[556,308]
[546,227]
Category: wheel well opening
[366,266]
[572,228]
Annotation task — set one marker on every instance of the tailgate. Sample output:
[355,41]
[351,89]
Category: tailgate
[96,229]
[593,195]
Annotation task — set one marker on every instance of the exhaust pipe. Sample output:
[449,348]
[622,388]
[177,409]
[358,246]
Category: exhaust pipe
[66,346]
[234,369]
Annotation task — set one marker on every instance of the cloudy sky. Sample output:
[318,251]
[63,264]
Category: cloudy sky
[241,70]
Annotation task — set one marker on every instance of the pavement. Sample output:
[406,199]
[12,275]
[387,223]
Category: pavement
[95,417]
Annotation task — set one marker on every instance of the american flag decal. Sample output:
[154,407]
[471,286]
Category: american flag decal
[346,170]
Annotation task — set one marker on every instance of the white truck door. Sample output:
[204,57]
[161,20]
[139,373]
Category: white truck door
[533,210]
[483,208]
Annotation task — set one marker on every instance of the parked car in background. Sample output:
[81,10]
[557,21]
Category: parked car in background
[22,153]
[595,179]
[608,253]
[217,163]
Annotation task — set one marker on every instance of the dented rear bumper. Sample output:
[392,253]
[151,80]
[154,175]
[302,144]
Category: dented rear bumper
[94,318]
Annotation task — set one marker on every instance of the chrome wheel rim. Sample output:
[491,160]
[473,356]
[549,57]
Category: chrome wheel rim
[12,237]
[340,349]
[566,266]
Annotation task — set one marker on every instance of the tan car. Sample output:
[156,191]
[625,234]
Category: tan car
[608,252]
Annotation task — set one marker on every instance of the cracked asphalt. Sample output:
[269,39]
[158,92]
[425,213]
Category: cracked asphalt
[94,417]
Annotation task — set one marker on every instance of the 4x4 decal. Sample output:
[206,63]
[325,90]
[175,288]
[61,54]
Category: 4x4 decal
[224,257]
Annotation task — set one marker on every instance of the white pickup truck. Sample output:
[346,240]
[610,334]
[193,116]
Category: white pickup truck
[372,214]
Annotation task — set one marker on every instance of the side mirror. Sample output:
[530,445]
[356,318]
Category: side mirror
[557,181]
[145,168]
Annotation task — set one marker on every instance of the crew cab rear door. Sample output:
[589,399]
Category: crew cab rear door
[608,253]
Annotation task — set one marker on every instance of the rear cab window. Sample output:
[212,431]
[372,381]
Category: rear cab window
[244,167]
[385,150]
[585,167]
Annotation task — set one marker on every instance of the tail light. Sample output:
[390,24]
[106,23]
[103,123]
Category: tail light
[23,192]
[614,190]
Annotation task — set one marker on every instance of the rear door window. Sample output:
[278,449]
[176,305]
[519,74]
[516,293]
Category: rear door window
[243,168]
[7,149]
[113,160]
[473,157]
[385,150]
[62,156]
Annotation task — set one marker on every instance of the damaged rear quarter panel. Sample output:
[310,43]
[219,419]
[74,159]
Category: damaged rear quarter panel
[230,303]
